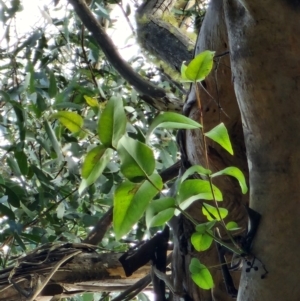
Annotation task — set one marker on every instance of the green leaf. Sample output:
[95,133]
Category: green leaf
[182,72]
[112,123]
[200,66]
[232,226]
[93,165]
[7,212]
[220,135]
[5,96]
[22,162]
[60,210]
[52,85]
[202,228]
[21,117]
[160,211]
[92,102]
[195,169]
[88,297]
[131,201]
[212,213]
[19,241]
[12,163]
[201,242]
[170,120]
[31,214]
[89,220]
[236,173]
[71,120]
[52,137]
[31,86]
[200,274]
[13,198]
[137,159]
[193,190]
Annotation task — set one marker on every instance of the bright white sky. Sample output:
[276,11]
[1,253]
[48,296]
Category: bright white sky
[36,13]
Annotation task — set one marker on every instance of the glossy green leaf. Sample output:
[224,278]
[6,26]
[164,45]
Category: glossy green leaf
[131,201]
[212,212]
[182,72]
[22,162]
[202,228]
[170,120]
[92,102]
[195,169]
[193,190]
[232,226]
[220,135]
[112,123]
[71,120]
[201,242]
[200,66]
[161,218]
[52,85]
[160,211]
[236,173]
[137,159]
[93,165]
[200,274]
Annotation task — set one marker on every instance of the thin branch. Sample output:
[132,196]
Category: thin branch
[98,232]
[155,96]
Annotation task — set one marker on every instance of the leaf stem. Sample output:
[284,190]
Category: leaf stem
[199,104]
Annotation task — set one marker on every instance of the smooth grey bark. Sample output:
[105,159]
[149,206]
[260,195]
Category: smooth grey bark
[264,43]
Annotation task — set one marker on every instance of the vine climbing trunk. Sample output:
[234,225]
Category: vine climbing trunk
[218,105]
[260,79]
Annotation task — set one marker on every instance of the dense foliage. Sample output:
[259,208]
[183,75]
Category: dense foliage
[55,82]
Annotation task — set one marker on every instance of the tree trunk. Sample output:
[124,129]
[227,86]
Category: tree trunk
[265,65]
[219,105]
[264,43]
